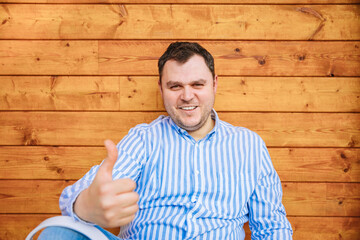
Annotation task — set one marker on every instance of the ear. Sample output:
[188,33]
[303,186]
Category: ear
[215,83]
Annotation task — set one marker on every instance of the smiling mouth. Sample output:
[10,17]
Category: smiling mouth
[188,108]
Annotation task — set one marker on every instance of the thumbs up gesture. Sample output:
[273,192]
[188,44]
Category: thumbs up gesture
[108,203]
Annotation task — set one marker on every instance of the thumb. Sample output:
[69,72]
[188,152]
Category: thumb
[109,162]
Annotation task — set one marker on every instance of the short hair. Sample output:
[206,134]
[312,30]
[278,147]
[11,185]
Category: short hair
[182,52]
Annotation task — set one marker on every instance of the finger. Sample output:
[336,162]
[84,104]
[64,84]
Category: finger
[123,185]
[123,221]
[128,211]
[105,170]
[127,199]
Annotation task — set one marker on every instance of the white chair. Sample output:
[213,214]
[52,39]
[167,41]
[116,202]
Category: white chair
[68,222]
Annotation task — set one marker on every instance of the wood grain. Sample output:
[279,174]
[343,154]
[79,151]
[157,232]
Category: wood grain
[85,128]
[141,93]
[48,57]
[118,21]
[300,199]
[71,163]
[256,94]
[59,93]
[329,228]
[189,1]
[244,58]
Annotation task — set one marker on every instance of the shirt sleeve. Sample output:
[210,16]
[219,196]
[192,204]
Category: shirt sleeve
[131,152]
[267,216]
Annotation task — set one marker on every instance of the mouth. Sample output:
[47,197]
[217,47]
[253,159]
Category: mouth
[187,108]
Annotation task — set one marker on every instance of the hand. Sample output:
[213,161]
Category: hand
[108,203]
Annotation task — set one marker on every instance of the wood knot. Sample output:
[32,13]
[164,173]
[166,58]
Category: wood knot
[37,59]
[331,75]
[343,156]
[346,170]
[30,138]
[302,58]
[46,158]
[237,50]
[68,45]
[262,62]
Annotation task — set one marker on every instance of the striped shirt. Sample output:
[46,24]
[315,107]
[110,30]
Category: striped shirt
[190,189]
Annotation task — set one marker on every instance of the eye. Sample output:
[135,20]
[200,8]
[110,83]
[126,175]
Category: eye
[174,87]
[198,85]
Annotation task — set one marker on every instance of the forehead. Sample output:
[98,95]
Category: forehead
[193,69]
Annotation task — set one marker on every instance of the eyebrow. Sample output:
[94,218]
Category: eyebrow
[172,83]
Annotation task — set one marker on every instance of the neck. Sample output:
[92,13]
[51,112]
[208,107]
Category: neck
[204,130]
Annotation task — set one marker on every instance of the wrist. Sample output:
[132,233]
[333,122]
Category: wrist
[80,206]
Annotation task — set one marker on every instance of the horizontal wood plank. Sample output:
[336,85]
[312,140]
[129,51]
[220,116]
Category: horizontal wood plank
[256,94]
[119,21]
[71,163]
[48,57]
[329,228]
[86,128]
[244,58]
[300,199]
[125,93]
[248,58]
[188,1]
[60,93]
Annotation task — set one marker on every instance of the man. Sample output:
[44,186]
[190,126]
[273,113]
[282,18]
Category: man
[185,176]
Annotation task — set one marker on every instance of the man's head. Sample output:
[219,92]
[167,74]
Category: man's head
[181,52]
[188,86]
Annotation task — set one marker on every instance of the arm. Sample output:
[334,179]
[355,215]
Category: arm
[105,195]
[267,216]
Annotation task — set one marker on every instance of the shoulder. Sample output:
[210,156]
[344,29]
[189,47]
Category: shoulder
[226,130]
[146,130]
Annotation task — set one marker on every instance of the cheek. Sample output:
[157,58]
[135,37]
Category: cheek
[170,98]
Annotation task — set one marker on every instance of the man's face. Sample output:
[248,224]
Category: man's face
[188,91]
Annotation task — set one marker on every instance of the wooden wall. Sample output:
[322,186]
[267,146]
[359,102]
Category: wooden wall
[75,72]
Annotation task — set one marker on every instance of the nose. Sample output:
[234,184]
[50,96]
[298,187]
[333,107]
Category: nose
[187,94]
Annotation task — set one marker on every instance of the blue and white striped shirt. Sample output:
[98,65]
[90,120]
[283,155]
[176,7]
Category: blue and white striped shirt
[189,189]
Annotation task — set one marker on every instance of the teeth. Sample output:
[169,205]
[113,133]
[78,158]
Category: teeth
[187,108]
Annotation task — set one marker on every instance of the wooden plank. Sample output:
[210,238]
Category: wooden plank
[245,58]
[256,94]
[59,93]
[296,129]
[300,199]
[100,93]
[71,163]
[317,164]
[118,21]
[48,57]
[86,128]
[330,228]
[256,58]
[321,199]
[189,1]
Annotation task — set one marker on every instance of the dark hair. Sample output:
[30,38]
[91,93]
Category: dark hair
[183,51]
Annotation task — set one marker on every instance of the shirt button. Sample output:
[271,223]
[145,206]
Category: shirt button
[197,172]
